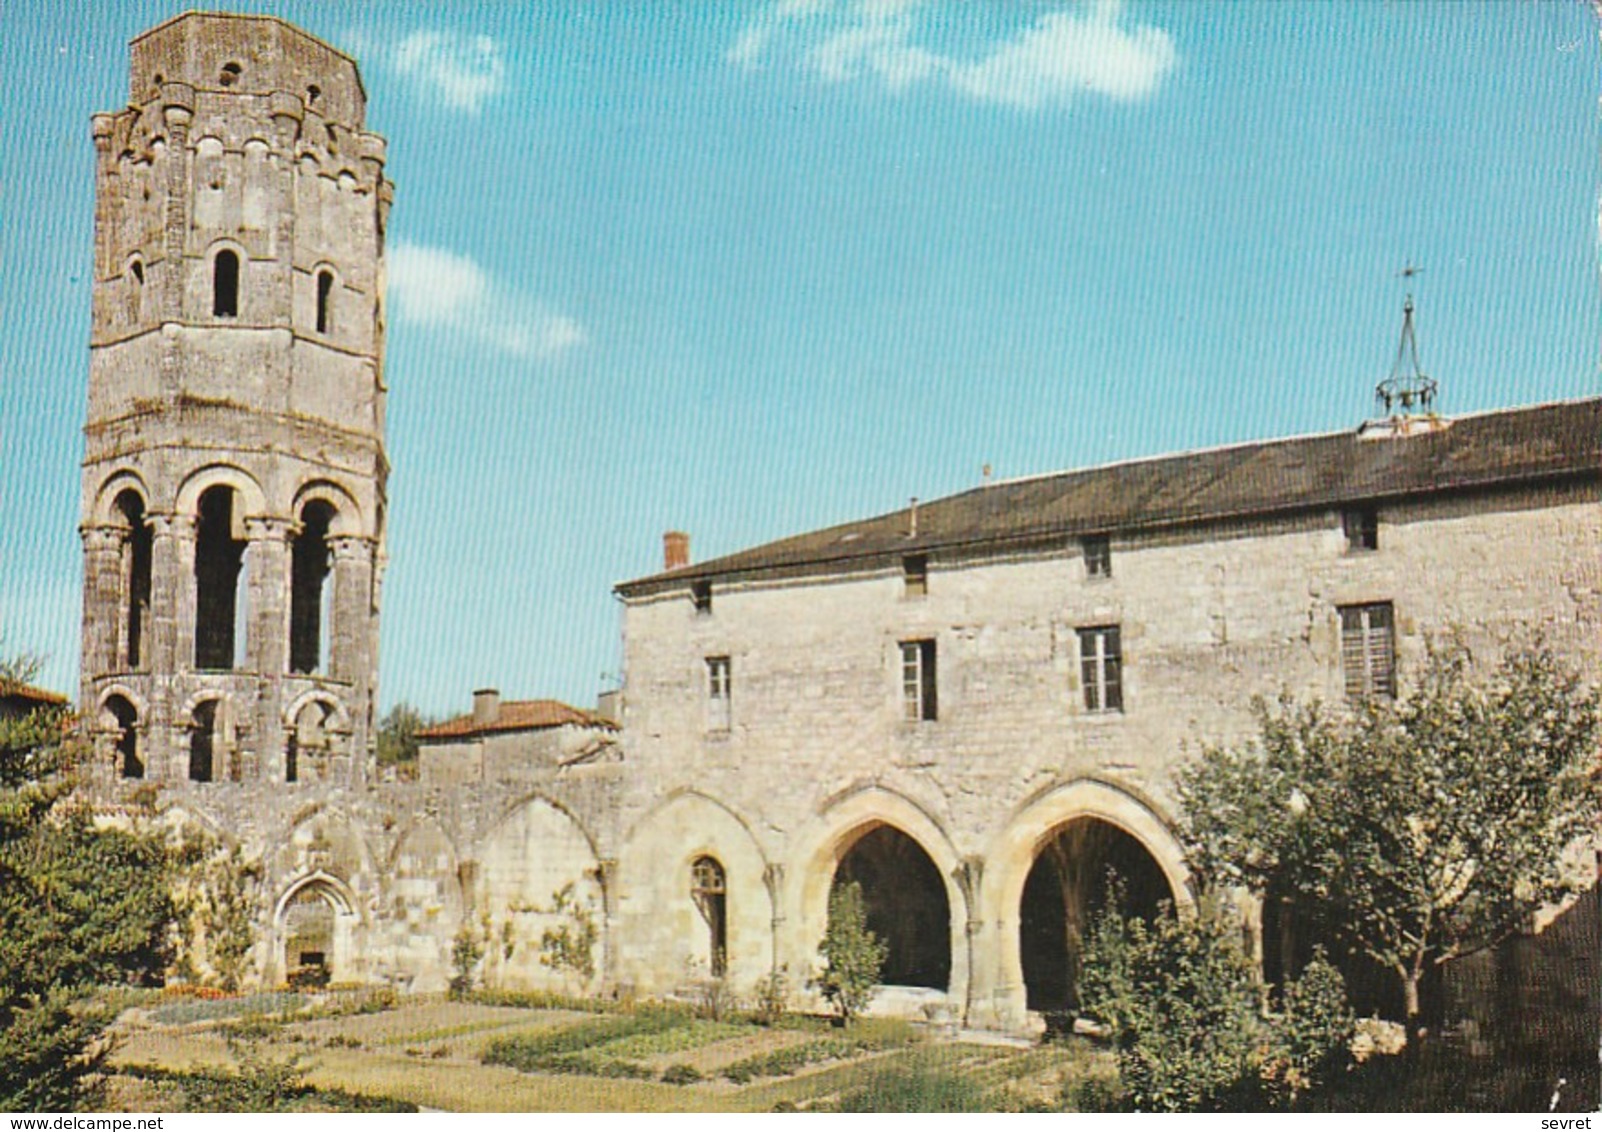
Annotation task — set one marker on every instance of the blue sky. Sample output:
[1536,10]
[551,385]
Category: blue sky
[747,269]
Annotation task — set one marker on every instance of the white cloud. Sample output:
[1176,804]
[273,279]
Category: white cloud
[439,288]
[460,70]
[1087,49]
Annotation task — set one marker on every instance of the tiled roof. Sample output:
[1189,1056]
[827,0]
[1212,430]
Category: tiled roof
[518,715]
[30,694]
[1504,448]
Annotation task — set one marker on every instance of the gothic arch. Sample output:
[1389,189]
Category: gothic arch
[844,821]
[316,924]
[1012,855]
[657,897]
[537,855]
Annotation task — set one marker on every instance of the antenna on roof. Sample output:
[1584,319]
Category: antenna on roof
[1408,388]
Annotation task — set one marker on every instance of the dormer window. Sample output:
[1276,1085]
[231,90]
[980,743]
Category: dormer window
[915,572]
[1361,527]
[1097,550]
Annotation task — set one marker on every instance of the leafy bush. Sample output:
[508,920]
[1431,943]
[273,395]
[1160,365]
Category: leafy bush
[1183,1008]
[772,997]
[852,955]
[543,1000]
[682,1074]
[466,950]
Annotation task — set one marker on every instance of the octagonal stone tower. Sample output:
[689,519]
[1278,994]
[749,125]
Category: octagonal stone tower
[234,467]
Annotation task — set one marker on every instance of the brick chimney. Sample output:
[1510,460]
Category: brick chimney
[675,550]
[486,706]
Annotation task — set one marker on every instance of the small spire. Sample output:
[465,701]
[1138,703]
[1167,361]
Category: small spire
[1408,389]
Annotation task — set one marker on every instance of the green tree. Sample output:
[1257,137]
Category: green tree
[852,955]
[80,906]
[1180,999]
[1430,827]
[397,737]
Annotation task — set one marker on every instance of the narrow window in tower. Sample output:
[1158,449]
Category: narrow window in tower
[219,556]
[135,574]
[225,284]
[325,302]
[203,742]
[310,597]
[136,292]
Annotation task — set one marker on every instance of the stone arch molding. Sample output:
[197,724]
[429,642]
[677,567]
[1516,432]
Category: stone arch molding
[104,513]
[338,720]
[839,824]
[319,878]
[135,700]
[656,903]
[347,512]
[1012,854]
[225,475]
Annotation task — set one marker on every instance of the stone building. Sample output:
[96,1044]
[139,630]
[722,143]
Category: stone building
[972,706]
[977,704]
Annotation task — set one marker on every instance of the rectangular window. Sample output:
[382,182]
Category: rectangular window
[1361,528]
[918,701]
[1101,668]
[1098,556]
[701,596]
[718,687]
[915,569]
[1368,650]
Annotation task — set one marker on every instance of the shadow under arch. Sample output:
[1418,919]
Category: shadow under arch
[1046,873]
[914,852]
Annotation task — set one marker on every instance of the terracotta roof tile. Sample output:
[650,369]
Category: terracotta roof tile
[518,715]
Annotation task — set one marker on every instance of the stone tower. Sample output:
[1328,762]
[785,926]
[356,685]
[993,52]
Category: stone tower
[234,467]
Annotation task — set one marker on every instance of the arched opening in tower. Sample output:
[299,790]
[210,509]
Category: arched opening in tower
[219,574]
[907,907]
[122,716]
[203,742]
[135,573]
[311,594]
[1079,867]
[310,746]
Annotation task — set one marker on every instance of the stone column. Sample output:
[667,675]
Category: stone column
[267,554]
[171,566]
[103,624]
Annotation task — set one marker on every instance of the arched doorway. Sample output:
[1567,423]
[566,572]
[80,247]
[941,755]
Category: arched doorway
[1079,866]
[315,924]
[906,903]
